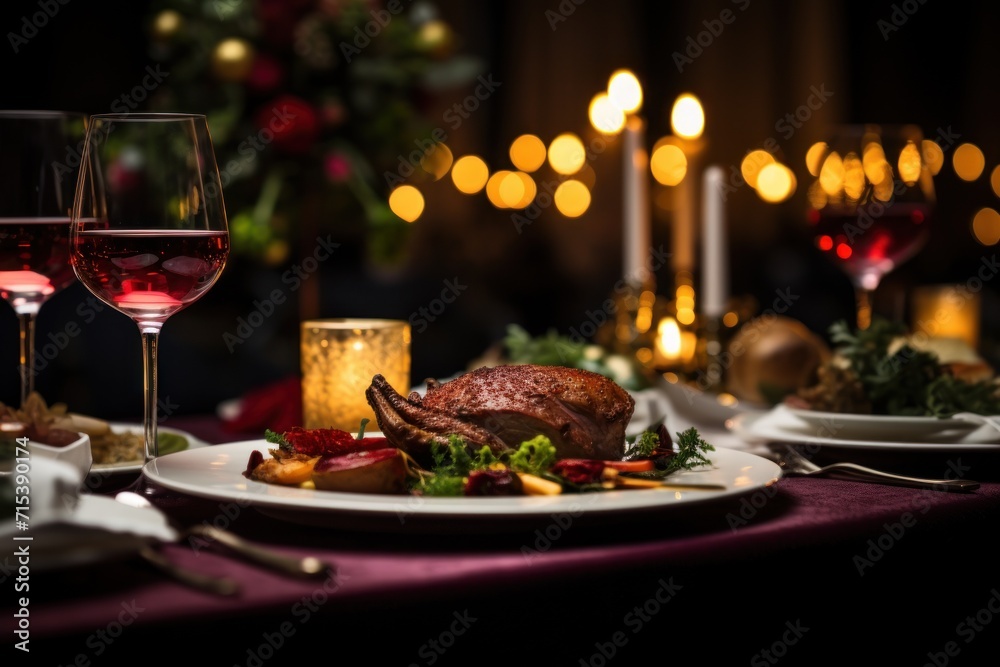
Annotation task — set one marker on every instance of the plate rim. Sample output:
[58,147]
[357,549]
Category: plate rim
[853,417]
[136,465]
[457,509]
[741,426]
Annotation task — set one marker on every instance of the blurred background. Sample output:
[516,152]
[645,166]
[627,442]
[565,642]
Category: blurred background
[354,93]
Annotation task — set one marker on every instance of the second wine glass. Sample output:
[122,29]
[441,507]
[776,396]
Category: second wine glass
[154,238]
[871,201]
[39,157]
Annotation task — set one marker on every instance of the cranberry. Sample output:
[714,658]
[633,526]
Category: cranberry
[579,471]
[493,483]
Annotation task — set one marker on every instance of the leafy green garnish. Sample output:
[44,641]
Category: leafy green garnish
[452,463]
[553,349]
[907,382]
[690,453]
[534,456]
[277,439]
[548,350]
[644,446]
[441,485]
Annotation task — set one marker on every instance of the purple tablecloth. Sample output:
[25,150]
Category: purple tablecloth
[850,561]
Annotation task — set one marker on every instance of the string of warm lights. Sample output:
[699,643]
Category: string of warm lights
[566,155]
[517,187]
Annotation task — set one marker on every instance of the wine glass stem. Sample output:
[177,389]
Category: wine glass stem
[27,367]
[863,301]
[150,339]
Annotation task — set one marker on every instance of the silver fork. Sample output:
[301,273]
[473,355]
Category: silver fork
[794,463]
[290,565]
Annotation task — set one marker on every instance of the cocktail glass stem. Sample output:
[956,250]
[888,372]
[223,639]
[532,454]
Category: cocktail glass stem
[863,305]
[27,367]
[150,339]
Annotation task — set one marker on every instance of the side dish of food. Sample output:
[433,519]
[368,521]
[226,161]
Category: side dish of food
[55,425]
[505,430]
[883,370]
[335,460]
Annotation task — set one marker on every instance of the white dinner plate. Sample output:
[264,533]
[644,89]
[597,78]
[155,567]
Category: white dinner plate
[781,425]
[136,465]
[217,473]
[846,426]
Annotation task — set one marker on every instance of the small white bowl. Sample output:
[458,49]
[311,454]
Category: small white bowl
[76,453]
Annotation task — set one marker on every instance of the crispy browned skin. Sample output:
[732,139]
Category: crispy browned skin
[583,413]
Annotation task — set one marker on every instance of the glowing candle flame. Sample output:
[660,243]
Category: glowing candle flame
[625,91]
[687,118]
[669,338]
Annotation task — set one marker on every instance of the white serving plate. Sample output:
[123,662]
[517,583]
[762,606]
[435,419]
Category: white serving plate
[217,473]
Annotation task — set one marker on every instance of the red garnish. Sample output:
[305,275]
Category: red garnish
[639,465]
[256,458]
[579,471]
[328,441]
[493,483]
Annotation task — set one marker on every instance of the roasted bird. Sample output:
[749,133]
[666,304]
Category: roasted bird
[583,413]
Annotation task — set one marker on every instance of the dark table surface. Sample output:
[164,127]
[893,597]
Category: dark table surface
[808,571]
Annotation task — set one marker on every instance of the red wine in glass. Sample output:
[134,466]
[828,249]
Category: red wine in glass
[150,274]
[156,239]
[34,260]
[39,161]
[872,200]
[867,246]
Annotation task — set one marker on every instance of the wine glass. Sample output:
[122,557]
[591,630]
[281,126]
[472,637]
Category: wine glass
[154,238]
[39,159]
[871,201]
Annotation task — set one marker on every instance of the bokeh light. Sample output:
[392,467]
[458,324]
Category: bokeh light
[753,163]
[530,190]
[527,152]
[854,176]
[572,198]
[668,164]
[876,166]
[814,157]
[986,226]
[933,155]
[911,165]
[406,202]
[566,154]
[968,162]
[469,173]
[625,91]
[776,182]
[831,174]
[437,161]
[493,188]
[995,180]
[516,189]
[605,115]
[687,118]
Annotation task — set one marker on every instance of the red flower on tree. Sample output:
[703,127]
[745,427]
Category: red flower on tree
[293,122]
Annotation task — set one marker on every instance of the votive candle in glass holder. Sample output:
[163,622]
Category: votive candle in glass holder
[947,311]
[339,359]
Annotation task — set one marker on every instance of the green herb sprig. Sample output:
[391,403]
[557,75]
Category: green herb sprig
[690,452]
[907,382]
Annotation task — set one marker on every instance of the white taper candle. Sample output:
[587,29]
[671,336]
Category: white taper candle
[714,243]
[636,239]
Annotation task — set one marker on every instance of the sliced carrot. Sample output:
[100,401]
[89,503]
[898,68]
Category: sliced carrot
[640,465]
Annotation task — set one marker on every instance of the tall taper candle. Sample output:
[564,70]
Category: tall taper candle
[636,239]
[714,244]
